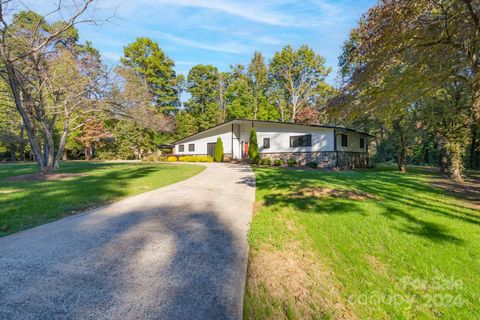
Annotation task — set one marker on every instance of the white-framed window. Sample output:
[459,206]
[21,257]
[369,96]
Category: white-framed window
[362,143]
[191,147]
[181,148]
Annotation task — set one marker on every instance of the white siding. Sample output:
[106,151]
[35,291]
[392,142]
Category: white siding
[353,141]
[279,135]
[201,140]
[322,138]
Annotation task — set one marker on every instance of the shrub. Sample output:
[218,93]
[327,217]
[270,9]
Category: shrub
[218,156]
[253,154]
[150,158]
[195,159]
[265,161]
[172,159]
[292,162]
[312,164]
[277,162]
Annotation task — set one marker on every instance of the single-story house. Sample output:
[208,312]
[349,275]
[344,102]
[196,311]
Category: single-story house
[329,146]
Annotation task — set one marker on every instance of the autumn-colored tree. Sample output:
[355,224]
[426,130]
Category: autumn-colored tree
[93,132]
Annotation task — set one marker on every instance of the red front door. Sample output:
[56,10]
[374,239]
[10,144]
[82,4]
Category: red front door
[245,150]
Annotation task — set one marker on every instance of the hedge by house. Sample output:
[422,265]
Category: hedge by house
[195,159]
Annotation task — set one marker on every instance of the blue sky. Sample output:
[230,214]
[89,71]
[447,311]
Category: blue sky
[222,32]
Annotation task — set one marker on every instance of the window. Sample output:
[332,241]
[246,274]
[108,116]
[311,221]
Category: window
[191,147]
[362,143]
[266,143]
[181,148]
[301,141]
[344,140]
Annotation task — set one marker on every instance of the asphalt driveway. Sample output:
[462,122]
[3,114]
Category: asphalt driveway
[178,252]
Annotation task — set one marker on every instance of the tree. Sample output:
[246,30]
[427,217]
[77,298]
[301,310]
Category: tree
[155,70]
[91,136]
[258,82]
[298,75]
[253,153]
[185,124]
[218,155]
[402,57]
[203,105]
[11,127]
[240,100]
[32,53]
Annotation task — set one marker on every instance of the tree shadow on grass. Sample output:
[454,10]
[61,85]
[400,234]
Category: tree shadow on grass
[43,201]
[389,186]
[312,204]
[425,229]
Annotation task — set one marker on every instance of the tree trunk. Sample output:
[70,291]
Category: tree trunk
[401,146]
[456,164]
[443,154]
[13,156]
[473,146]
[21,144]
[401,160]
[86,150]
[34,145]
[62,152]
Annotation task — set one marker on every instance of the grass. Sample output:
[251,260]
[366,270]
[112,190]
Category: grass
[407,251]
[24,204]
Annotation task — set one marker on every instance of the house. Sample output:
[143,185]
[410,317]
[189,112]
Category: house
[329,146]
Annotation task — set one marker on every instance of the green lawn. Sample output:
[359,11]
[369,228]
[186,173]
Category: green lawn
[29,203]
[401,249]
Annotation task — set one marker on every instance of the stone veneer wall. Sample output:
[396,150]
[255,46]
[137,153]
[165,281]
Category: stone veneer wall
[325,159]
[352,159]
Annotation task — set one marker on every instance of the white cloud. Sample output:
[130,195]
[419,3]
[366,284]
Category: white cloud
[226,47]
[249,11]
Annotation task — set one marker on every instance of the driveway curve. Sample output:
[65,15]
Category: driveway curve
[178,252]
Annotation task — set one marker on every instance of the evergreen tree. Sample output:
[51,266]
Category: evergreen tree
[253,153]
[203,86]
[218,155]
[155,69]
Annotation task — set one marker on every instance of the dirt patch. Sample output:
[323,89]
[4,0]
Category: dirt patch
[377,265]
[291,282]
[335,193]
[468,190]
[44,177]
[257,205]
